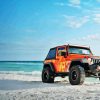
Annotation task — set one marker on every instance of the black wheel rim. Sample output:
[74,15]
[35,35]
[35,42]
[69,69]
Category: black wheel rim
[46,75]
[74,75]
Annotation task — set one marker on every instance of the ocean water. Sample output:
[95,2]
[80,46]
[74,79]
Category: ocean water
[25,70]
[21,67]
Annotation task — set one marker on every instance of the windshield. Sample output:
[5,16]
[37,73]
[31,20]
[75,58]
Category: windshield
[76,50]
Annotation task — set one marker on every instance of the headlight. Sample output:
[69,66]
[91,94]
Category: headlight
[90,61]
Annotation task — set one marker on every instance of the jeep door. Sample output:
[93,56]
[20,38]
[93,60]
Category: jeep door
[61,59]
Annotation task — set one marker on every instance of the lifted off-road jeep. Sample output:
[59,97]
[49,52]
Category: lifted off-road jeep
[77,62]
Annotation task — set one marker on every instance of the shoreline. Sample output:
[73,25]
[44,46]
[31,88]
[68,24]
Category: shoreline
[56,91]
[23,87]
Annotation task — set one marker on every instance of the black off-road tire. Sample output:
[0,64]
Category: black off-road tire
[47,75]
[76,75]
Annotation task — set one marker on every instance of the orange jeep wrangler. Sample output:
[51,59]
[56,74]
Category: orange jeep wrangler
[77,62]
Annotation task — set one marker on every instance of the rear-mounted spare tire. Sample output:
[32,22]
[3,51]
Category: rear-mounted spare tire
[76,75]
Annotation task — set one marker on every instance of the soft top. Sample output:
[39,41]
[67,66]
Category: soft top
[80,46]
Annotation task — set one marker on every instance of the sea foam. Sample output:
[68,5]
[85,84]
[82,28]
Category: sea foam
[20,75]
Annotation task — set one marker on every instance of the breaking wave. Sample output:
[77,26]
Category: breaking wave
[20,75]
[36,73]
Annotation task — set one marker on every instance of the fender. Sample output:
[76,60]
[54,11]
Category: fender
[76,62]
[49,65]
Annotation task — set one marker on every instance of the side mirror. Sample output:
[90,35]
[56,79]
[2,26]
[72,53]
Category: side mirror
[63,54]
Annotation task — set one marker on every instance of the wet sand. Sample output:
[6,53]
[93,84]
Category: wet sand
[11,89]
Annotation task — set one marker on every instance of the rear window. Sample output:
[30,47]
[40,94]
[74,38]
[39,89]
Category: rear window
[51,54]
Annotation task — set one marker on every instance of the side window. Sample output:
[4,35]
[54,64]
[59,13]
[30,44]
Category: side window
[60,50]
[51,54]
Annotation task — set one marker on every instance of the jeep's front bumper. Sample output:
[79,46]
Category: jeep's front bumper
[95,66]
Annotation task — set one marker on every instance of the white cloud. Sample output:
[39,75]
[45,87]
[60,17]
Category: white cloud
[98,1]
[90,15]
[76,22]
[60,4]
[74,3]
[71,5]
[94,11]
[91,37]
[97,18]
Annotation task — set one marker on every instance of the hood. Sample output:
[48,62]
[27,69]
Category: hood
[95,57]
[90,58]
[78,56]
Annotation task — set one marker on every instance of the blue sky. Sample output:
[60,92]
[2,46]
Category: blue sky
[28,28]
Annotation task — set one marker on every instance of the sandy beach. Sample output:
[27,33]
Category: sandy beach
[27,88]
